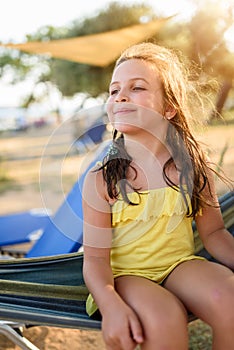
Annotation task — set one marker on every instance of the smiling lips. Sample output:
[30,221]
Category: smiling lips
[122,111]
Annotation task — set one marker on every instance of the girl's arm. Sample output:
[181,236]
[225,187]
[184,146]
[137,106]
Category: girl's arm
[97,240]
[120,324]
[216,238]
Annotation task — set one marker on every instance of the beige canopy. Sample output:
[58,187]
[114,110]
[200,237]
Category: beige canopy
[97,49]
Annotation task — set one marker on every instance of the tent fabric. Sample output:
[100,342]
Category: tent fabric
[96,49]
[51,290]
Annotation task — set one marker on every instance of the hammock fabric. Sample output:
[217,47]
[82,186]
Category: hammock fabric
[51,291]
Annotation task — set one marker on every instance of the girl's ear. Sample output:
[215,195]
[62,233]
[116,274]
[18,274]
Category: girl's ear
[170,112]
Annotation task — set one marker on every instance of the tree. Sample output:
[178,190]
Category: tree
[70,77]
[209,49]
[202,39]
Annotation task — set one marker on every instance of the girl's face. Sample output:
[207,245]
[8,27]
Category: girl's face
[135,92]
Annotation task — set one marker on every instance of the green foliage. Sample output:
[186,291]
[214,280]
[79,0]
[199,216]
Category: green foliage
[222,155]
[5,180]
[200,336]
[202,39]
[12,63]
[115,16]
[208,47]
[47,33]
[70,77]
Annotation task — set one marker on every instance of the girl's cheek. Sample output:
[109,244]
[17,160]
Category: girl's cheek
[109,110]
[109,102]
[111,117]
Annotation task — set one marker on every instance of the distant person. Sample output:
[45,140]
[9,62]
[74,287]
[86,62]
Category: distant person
[139,260]
[21,123]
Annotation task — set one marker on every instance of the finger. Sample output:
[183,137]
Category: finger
[136,330]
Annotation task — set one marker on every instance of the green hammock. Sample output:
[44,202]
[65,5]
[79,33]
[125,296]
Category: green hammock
[50,291]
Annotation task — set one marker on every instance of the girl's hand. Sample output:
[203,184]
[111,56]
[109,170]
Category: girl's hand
[121,328]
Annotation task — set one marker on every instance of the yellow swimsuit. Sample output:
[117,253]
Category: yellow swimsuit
[150,239]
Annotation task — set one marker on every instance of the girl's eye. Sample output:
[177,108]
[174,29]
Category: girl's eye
[113,92]
[138,88]
[134,88]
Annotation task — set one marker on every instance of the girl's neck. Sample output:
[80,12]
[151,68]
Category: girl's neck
[147,150]
[148,159]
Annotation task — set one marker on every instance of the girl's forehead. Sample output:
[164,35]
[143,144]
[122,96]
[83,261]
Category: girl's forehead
[134,68]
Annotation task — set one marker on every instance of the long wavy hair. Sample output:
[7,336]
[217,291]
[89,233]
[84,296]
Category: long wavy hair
[182,94]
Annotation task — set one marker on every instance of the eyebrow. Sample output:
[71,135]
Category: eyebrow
[133,79]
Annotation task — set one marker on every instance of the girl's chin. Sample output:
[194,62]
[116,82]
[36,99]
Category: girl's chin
[126,129]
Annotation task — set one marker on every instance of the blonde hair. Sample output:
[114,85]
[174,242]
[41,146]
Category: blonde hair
[181,94]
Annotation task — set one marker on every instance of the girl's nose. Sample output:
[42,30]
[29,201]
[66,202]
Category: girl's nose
[121,97]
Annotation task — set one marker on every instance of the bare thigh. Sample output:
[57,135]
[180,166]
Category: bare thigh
[161,313]
[205,288]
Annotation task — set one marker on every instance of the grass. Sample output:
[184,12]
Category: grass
[6,182]
[200,336]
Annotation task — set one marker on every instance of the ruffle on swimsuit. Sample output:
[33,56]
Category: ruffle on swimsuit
[152,203]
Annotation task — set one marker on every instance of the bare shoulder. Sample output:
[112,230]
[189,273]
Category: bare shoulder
[96,212]
[94,179]
[94,190]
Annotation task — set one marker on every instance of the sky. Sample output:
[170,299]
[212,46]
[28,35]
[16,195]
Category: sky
[21,17]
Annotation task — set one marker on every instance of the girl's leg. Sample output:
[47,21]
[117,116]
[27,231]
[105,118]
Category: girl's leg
[162,315]
[207,290]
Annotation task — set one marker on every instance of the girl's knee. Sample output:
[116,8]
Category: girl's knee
[171,319]
[222,301]
[168,330]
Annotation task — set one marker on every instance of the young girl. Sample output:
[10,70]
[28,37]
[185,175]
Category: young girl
[139,262]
